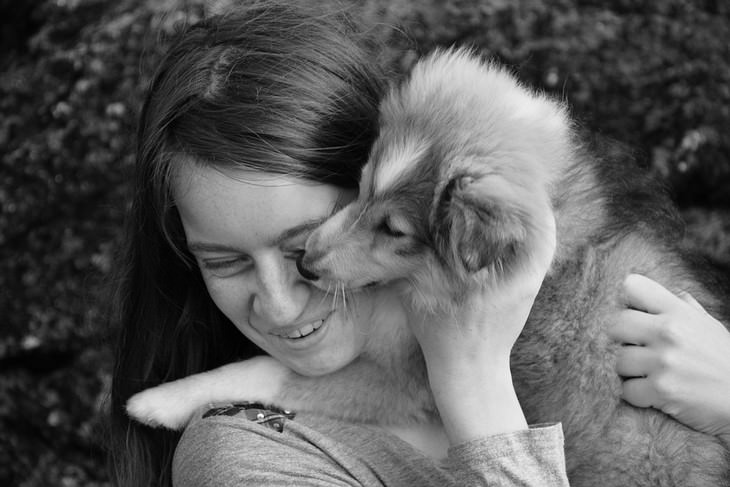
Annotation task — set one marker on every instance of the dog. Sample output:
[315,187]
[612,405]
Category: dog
[468,166]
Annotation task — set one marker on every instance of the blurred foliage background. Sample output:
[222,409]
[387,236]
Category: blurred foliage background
[654,75]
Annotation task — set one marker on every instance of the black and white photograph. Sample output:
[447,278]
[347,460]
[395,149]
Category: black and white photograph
[377,243]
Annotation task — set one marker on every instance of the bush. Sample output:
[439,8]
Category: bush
[653,75]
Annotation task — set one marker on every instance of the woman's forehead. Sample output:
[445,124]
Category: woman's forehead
[220,204]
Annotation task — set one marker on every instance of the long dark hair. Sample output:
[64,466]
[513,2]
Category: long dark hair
[275,86]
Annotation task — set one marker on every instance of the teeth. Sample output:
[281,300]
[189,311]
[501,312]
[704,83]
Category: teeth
[305,330]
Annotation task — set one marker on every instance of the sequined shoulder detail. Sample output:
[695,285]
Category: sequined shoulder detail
[269,416]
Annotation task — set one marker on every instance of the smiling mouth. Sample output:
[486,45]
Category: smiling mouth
[303,331]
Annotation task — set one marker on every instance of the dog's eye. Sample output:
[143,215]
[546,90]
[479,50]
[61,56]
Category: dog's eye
[386,226]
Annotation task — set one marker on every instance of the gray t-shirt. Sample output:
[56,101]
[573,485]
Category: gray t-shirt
[244,446]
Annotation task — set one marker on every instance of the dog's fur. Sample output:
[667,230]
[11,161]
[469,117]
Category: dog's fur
[467,169]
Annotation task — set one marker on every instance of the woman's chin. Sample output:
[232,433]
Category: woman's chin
[317,368]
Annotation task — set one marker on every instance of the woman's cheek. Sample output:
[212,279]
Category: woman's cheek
[231,297]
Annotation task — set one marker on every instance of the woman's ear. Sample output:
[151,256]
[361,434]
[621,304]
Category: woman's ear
[479,222]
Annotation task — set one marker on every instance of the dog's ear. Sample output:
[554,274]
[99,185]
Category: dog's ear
[479,222]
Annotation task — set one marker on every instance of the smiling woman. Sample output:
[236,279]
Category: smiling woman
[255,129]
[270,87]
[246,229]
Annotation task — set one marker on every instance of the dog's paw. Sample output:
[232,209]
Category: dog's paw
[172,405]
[163,406]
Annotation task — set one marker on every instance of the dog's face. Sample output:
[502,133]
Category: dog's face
[455,183]
[414,219]
[384,234]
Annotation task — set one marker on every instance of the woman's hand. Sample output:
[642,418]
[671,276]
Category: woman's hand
[468,353]
[676,357]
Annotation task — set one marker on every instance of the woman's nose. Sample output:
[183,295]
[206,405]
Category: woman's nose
[281,295]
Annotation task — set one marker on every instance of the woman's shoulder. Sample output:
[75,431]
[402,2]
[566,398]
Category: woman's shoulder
[256,445]
[249,444]
[240,445]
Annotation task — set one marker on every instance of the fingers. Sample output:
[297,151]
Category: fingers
[687,298]
[639,392]
[633,327]
[548,241]
[633,361]
[644,294]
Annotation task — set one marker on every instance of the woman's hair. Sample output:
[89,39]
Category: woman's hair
[275,86]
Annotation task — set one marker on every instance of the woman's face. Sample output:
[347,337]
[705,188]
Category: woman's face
[246,230]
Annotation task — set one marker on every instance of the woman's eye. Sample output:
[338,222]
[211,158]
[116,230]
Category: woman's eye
[226,266]
[294,254]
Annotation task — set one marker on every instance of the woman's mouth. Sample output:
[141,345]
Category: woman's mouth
[303,331]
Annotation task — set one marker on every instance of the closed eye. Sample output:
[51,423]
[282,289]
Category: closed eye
[224,267]
[387,227]
[294,254]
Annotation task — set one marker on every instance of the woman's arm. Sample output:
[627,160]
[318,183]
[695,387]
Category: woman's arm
[468,353]
[468,361]
[467,357]
[676,357]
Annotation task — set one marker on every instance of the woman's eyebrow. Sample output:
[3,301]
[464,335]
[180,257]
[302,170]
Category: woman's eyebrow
[297,230]
[211,247]
[284,236]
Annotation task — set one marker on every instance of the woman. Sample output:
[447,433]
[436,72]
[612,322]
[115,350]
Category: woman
[254,129]
[256,125]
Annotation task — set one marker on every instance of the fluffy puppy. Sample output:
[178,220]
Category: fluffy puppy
[468,173]
[468,168]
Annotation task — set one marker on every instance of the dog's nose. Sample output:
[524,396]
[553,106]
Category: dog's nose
[304,272]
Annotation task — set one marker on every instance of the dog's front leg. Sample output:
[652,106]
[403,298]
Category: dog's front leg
[173,404]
